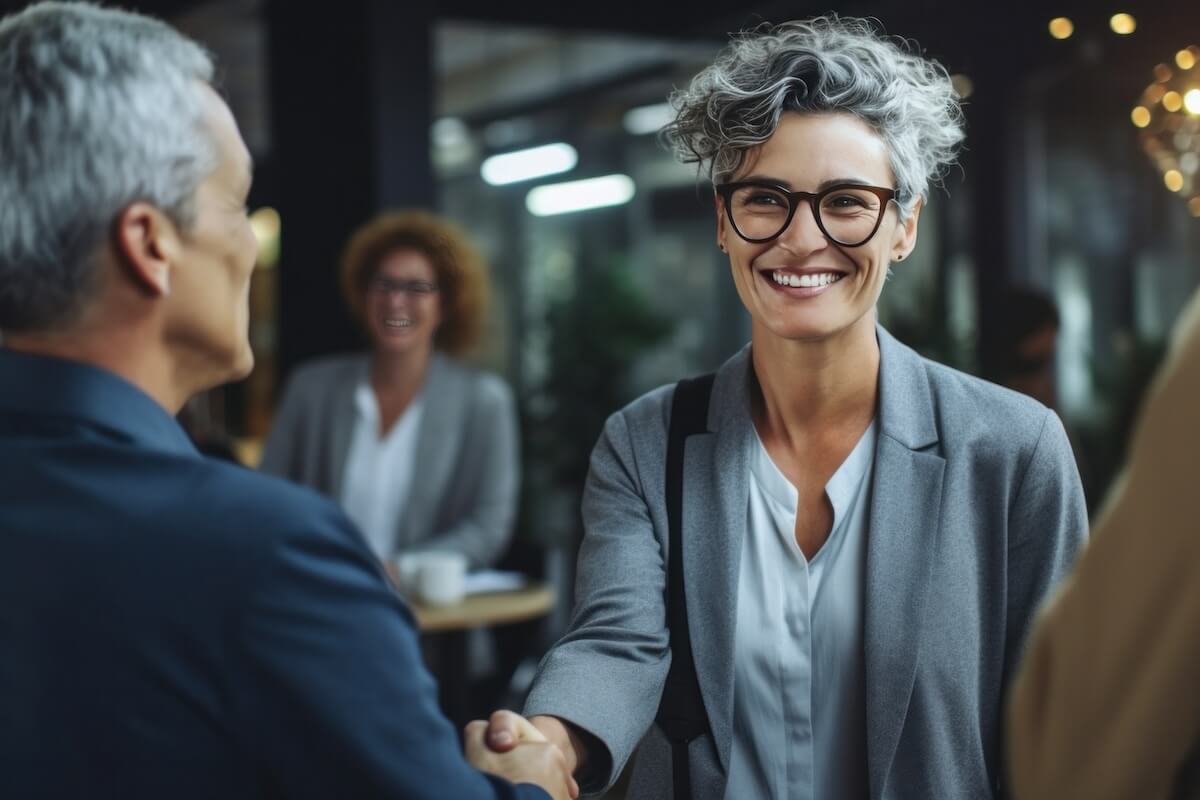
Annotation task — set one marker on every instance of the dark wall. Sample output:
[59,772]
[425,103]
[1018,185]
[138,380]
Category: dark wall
[352,102]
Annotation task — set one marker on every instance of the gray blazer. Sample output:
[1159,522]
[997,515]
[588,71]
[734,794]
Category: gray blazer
[977,510]
[464,490]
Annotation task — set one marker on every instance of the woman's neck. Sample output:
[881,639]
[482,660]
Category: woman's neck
[807,388]
[399,376]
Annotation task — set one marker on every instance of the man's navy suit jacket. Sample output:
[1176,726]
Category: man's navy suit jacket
[177,627]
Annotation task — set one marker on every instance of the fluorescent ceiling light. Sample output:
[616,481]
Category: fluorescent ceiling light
[564,198]
[524,165]
[648,119]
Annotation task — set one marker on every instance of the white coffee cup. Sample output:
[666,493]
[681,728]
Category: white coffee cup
[440,577]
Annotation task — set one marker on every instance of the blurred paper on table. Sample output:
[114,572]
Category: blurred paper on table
[491,580]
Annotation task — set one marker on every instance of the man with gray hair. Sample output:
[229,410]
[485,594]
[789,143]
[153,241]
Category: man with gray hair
[173,627]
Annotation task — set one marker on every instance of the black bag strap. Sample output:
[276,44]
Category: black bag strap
[681,713]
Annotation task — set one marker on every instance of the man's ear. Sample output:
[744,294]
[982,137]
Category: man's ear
[148,245]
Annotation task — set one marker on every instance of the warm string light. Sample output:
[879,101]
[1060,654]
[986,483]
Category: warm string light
[1061,28]
[1122,24]
[1167,117]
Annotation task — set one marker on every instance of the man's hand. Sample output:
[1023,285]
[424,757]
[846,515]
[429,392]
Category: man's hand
[521,755]
[506,730]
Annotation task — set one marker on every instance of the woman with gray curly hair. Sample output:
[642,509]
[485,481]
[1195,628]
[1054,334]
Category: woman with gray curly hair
[818,565]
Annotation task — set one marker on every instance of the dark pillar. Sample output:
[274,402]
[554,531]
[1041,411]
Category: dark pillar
[352,102]
[993,150]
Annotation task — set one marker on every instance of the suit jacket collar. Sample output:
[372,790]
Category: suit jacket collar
[906,405]
[902,543]
[906,411]
[42,386]
[902,538]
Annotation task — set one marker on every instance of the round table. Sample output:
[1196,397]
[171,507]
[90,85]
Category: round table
[446,627]
[485,610]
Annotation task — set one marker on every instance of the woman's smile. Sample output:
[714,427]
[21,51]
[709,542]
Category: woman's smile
[802,283]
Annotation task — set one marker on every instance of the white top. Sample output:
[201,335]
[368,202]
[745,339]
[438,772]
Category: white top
[379,471]
[799,716]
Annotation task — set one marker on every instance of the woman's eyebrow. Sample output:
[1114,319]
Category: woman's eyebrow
[784,184]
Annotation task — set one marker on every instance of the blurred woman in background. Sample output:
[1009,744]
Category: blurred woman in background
[420,449]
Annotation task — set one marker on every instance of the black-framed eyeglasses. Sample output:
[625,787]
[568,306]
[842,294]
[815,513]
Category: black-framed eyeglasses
[389,287]
[847,213]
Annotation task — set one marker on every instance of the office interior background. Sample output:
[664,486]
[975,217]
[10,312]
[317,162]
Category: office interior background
[1080,179]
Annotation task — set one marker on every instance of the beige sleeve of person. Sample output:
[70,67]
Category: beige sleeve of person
[1105,704]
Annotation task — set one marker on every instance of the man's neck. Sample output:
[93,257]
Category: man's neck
[122,353]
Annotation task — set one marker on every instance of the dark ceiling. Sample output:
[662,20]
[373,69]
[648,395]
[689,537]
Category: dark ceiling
[693,18]
[1009,35]
[997,42]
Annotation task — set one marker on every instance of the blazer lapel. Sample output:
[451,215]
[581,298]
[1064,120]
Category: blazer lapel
[343,416]
[715,496]
[437,442]
[904,526]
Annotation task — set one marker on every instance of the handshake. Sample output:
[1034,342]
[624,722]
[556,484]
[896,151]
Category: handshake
[541,750]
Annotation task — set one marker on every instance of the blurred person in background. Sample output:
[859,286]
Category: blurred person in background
[172,626]
[865,534]
[420,449]
[1023,357]
[1026,344]
[1105,704]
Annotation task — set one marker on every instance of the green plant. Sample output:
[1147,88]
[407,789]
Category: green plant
[595,333]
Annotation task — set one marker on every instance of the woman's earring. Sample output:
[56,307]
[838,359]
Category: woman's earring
[721,246]
[900,256]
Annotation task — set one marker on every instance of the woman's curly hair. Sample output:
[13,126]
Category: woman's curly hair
[826,64]
[458,267]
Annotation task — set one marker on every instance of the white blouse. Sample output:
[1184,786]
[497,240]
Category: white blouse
[799,718]
[379,471]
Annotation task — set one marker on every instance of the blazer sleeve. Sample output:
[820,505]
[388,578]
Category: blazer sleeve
[606,674]
[1048,527]
[1105,705]
[484,520]
[285,443]
[338,703]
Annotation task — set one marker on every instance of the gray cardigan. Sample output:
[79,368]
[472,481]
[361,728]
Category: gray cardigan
[977,510]
[464,491]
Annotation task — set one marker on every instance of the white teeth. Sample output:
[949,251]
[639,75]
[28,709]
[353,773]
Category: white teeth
[398,323]
[808,281]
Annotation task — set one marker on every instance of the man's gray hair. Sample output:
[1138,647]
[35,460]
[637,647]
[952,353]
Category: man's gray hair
[826,64]
[99,109]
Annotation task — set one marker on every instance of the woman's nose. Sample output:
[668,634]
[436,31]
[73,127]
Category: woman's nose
[802,233]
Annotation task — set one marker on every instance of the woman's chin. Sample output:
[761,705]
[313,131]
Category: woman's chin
[811,328]
[399,344]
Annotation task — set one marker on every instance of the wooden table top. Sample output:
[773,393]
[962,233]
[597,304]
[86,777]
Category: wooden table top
[483,610]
